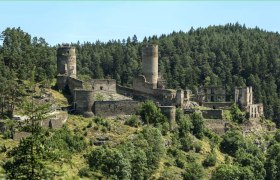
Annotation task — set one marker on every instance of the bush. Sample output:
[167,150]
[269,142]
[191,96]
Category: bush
[210,160]
[198,125]
[186,143]
[227,172]
[151,114]
[232,141]
[197,146]
[133,121]
[193,171]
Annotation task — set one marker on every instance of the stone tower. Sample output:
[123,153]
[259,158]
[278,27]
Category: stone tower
[244,96]
[150,64]
[66,60]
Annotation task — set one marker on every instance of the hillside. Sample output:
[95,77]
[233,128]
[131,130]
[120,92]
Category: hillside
[189,151]
[143,145]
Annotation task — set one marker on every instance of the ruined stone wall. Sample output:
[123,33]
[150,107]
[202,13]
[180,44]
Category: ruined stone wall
[165,97]
[103,85]
[217,125]
[61,82]
[126,91]
[170,113]
[217,105]
[243,96]
[179,98]
[74,83]
[150,63]
[83,101]
[212,114]
[115,108]
[255,110]
[140,84]
[56,120]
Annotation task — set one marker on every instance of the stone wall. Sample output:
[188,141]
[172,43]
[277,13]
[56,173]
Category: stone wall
[115,108]
[212,114]
[140,84]
[255,110]
[170,113]
[103,85]
[165,97]
[126,91]
[243,96]
[217,105]
[83,100]
[61,82]
[74,83]
[56,120]
[217,125]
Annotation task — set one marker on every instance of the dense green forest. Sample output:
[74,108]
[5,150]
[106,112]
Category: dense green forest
[230,55]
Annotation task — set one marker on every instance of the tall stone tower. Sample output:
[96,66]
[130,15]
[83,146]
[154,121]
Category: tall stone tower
[150,64]
[66,60]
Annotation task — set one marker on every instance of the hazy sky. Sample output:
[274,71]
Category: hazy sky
[70,21]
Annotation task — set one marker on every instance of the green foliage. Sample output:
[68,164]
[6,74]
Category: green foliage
[184,123]
[252,163]
[197,146]
[65,140]
[28,159]
[137,160]
[227,172]
[193,171]
[210,160]
[272,165]
[232,141]
[277,135]
[198,125]
[111,162]
[99,97]
[150,113]
[133,121]
[102,122]
[236,114]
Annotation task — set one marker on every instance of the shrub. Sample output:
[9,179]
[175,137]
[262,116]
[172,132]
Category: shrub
[198,125]
[133,121]
[210,160]
[193,171]
[150,113]
[197,146]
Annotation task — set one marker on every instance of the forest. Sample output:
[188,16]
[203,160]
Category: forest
[229,55]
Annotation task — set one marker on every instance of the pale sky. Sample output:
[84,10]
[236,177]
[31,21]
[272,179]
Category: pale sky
[70,21]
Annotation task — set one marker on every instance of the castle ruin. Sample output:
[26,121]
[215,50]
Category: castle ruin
[145,86]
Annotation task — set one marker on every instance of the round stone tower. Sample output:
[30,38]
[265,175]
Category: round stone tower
[83,101]
[150,63]
[66,60]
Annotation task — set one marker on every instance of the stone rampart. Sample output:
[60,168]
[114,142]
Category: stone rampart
[126,91]
[217,125]
[170,113]
[212,114]
[217,105]
[114,108]
[74,83]
[103,85]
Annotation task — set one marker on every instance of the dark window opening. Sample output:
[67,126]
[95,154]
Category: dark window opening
[101,87]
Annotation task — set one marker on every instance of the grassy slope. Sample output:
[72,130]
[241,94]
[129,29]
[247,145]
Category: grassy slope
[118,133]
